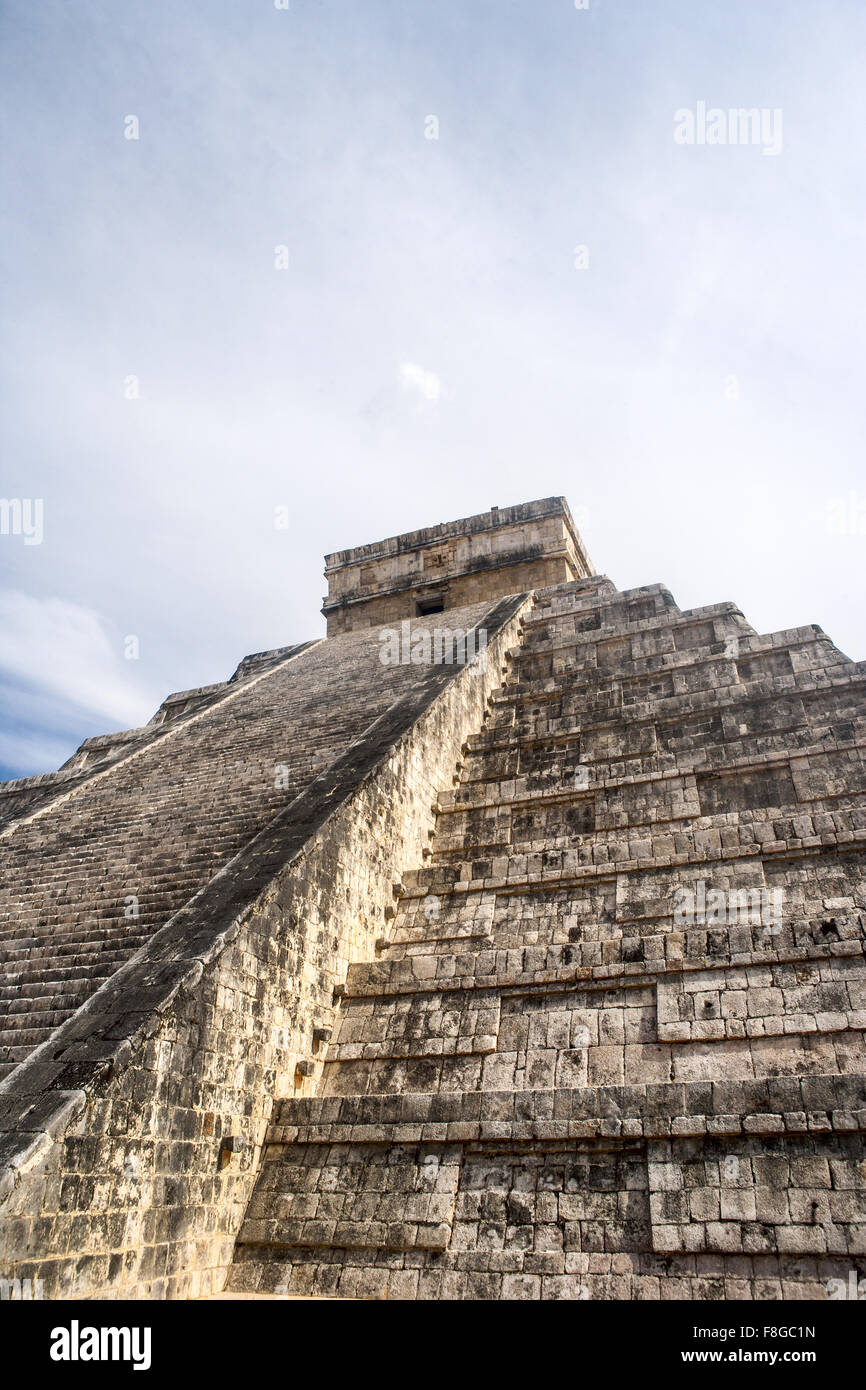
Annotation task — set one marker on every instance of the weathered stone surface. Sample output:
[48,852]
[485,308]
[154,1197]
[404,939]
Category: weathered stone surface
[133,1190]
[504,551]
[645,1107]
[542,980]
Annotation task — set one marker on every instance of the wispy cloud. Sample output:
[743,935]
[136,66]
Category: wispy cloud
[415,378]
[60,649]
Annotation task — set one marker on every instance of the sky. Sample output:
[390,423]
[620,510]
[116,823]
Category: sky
[362,266]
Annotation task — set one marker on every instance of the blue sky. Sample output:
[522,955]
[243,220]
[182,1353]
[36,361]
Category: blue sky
[431,349]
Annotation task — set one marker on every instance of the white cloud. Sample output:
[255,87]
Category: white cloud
[63,649]
[415,378]
[262,388]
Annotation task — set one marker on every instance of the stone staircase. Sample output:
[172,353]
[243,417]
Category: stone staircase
[560,1080]
[88,877]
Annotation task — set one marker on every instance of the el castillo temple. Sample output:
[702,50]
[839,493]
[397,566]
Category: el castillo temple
[506,943]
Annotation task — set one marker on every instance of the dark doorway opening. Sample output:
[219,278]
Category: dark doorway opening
[434,604]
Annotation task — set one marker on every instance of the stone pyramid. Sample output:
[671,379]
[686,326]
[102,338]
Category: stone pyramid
[537,974]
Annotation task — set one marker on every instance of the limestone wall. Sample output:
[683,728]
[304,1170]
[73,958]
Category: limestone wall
[478,559]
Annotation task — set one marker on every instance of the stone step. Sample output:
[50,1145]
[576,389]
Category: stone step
[602,961]
[17,1042]
[664,680]
[29,995]
[639,751]
[84,941]
[751,840]
[792,1104]
[684,811]
[610,731]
